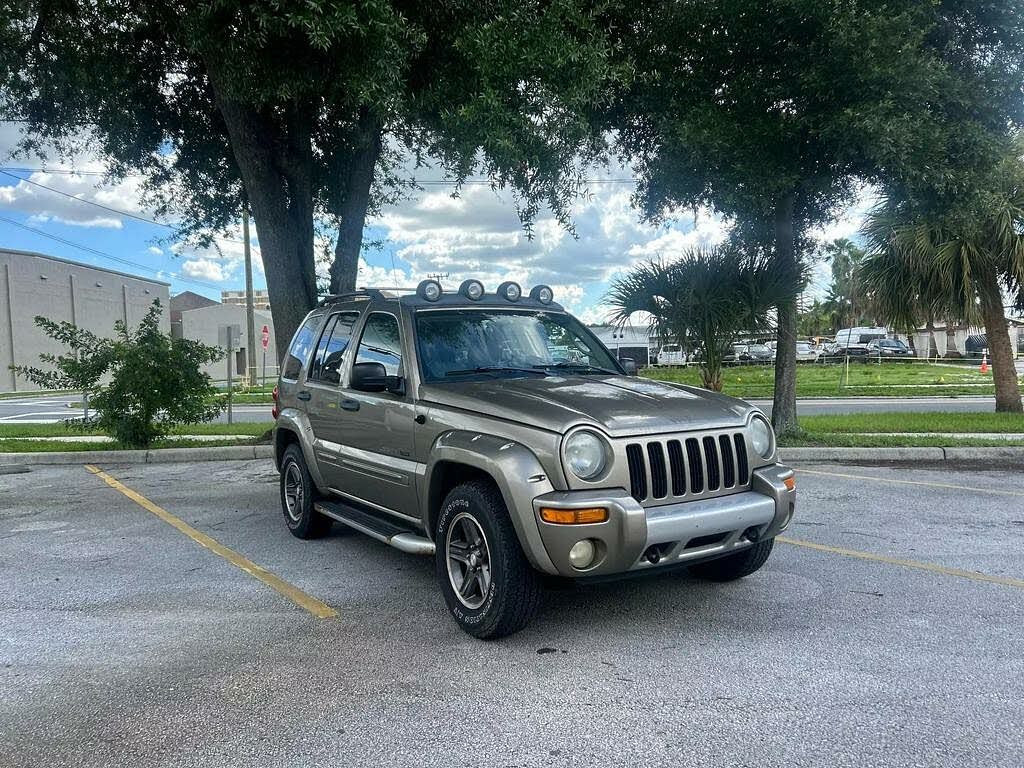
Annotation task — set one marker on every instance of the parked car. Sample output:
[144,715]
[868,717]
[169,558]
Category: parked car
[759,353]
[806,353]
[889,348]
[452,425]
[854,341]
[976,345]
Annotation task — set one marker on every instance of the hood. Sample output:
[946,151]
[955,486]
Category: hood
[622,405]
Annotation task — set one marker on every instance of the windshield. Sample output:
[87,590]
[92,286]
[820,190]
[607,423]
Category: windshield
[496,342]
[895,344]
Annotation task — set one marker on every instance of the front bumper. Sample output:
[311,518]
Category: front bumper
[636,538]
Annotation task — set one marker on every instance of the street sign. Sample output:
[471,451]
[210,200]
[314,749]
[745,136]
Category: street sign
[265,337]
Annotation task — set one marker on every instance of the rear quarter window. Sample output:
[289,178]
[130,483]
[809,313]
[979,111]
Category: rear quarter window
[299,349]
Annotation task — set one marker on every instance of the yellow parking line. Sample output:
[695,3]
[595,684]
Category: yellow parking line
[317,608]
[973,576]
[1000,491]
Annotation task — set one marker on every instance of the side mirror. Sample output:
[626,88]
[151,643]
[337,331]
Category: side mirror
[373,377]
[629,365]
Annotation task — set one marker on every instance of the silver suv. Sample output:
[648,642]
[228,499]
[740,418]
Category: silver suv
[495,433]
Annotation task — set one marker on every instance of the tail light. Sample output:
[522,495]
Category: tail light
[274,411]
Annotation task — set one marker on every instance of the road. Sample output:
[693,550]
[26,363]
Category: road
[34,409]
[124,642]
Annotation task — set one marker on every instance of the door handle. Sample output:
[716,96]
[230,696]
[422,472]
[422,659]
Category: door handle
[350,405]
[303,395]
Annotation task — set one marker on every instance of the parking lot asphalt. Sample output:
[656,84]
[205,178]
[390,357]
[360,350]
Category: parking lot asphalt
[125,641]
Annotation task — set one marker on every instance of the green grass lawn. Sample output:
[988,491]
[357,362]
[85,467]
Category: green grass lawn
[841,430]
[17,438]
[830,380]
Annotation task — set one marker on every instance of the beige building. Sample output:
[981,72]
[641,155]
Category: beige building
[203,324]
[260,299]
[91,297]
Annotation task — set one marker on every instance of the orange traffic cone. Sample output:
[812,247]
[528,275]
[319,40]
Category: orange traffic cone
[984,363]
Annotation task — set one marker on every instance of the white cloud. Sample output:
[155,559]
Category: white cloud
[155,251]
[205,269]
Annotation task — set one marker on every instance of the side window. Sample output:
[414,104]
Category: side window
[381,343]
[334,347]
[299,349]
[321,349]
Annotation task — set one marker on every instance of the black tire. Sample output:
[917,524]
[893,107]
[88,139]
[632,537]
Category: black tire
[732,567]
[512,593]
[302,520]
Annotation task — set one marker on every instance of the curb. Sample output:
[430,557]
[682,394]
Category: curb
[159,456]
[797,455]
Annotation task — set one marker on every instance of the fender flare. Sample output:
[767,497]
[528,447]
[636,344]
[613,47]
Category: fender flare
[516,471]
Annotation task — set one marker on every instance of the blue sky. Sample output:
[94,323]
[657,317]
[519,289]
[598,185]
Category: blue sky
[476,234]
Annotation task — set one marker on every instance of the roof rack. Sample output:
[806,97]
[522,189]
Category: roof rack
[361,293]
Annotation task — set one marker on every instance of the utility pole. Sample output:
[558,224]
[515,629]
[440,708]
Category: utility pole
[250,320]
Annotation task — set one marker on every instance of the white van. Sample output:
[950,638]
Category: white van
[671,354]
[859,338]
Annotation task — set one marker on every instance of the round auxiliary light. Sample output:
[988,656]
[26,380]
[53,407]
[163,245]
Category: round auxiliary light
[542,293]
[510,291]
[762,438]
[582,553]
[472,289]
[429,290]
[585,454]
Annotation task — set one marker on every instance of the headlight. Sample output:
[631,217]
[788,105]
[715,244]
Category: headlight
[762,438]
[585,454]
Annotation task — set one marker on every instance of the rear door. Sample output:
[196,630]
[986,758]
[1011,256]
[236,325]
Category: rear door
[377,460]
[323,380]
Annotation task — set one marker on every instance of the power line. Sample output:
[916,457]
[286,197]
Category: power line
[105,255]
[107,207]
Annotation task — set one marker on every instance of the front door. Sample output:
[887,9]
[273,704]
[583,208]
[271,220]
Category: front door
[377,460]
[323,383]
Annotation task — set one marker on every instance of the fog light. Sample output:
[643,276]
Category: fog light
[582,553]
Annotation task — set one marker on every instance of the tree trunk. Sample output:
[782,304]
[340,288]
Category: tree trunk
[351,213]
[275,158]
[1000,348]
[784,402]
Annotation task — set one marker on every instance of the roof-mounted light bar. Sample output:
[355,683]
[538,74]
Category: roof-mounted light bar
[542,293]
[429,290]
[472,290]
[510,291]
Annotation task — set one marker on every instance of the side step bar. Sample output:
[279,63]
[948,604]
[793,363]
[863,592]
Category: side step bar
[376,527]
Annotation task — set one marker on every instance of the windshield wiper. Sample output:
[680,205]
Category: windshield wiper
[495,369]
[580,366]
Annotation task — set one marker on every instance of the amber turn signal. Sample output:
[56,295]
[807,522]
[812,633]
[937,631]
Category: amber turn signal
[790,482]
[573,516]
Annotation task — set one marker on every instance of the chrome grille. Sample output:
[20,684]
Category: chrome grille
[687,466]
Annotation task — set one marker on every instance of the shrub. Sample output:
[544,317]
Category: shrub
[155,382]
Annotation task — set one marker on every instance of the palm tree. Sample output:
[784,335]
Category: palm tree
[955,265]
[710,295]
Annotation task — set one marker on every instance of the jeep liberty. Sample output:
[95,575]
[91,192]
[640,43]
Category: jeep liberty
[495,433]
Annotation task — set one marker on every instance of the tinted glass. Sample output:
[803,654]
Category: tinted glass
[460,343]
[381,343]
[330,352]
[299,349]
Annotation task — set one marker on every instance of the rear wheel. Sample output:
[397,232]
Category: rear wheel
[732,567]
[490,588]
[298,493]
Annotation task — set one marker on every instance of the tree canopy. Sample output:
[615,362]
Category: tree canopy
[772,111]
[308,110]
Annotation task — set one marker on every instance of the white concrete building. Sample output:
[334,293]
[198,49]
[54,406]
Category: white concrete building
[91,297]
[631,341]
[204,323]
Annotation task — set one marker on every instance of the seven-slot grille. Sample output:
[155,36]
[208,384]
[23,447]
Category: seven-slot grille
[687,466]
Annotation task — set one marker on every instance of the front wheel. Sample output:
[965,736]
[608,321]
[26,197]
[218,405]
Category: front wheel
[490,588]
[736,566]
